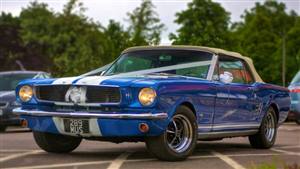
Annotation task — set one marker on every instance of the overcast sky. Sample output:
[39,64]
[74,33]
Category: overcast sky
[103,10]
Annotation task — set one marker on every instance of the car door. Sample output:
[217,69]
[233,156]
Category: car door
[235,102]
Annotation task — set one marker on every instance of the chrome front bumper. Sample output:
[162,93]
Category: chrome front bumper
[150,116]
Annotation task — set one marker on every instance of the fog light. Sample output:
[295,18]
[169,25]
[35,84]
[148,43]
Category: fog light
[144,128]
[24,123]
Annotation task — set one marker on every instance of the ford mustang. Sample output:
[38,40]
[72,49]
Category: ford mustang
[166,96]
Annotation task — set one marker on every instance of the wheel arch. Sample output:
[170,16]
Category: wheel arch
[276,109]
[190,106]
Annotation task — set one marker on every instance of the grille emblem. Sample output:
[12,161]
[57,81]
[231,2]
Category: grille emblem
[76,94]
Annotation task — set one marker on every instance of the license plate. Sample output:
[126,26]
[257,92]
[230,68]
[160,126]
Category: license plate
[76,126]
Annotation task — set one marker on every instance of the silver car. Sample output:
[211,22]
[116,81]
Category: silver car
[295,98]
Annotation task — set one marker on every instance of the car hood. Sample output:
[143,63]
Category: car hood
[142,80]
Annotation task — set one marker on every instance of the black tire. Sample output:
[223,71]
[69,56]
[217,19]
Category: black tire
[56,143]
[2,128]
[159,147]
[261,140]
[298,121]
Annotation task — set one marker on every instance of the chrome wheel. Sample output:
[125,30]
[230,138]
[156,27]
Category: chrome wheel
[270,127]
[179,133]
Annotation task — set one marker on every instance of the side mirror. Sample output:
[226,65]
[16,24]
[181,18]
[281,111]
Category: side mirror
[226,77]
[102,73]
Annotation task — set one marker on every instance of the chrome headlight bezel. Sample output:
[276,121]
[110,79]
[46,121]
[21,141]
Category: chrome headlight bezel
[147,96]
[25,93]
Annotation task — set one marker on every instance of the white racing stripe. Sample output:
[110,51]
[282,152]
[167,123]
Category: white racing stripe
[93,80]
[117,163]
[93,126]
[228,160]
[18,155]
[65,80]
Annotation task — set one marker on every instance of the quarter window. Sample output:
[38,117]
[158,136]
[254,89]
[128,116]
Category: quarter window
[238,69]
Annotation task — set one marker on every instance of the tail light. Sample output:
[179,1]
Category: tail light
[295,89]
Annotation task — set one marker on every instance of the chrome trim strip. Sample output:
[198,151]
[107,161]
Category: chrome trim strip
[224,134]
[20,111]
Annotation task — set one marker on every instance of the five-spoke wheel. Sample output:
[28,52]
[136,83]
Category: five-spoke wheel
[179,133]
[265,137]
[179,139]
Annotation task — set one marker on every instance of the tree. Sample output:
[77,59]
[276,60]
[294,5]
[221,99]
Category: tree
[145,27]
[293,50]
[118,39]
[262,36]
[203,23]
[11,48]
[74,43]
[35,22]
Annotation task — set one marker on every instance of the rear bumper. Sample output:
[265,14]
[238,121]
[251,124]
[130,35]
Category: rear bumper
[101,125]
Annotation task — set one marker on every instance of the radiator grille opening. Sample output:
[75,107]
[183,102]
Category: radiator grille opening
[94,94]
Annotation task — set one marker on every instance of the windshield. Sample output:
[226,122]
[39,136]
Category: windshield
[97,72]
[10,81]
[296,79]
[176,62]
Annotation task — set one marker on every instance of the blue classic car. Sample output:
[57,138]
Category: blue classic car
[167,96]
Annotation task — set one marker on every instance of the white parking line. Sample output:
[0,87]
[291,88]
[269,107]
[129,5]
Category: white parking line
[117,163]
[10,157]
[130,161]
[228,160]
[62,165]
[14,150]
[294,146]
[285,152]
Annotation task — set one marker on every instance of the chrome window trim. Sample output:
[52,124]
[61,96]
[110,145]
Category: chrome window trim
[212,67]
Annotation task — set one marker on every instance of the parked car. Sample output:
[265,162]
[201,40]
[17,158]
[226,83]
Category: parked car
[167,96]
[294,88]
[8,83]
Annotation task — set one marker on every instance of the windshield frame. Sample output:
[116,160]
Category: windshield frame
[210,72]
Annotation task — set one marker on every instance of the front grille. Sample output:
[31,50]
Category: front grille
[55,93]
[108,94]
[94,94]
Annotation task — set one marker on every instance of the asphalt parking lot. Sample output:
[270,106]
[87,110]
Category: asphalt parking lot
[19,151]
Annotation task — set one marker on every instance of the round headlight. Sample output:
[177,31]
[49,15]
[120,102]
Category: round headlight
[147,96]
[25,93]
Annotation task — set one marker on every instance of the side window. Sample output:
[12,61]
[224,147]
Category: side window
[238,69]
[248,75]
[199,72]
